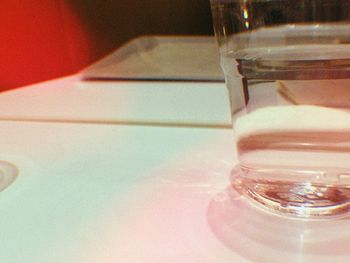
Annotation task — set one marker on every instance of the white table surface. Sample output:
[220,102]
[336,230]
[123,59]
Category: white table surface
[118,102]
[91,190]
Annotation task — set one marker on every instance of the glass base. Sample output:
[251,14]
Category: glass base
[298,199]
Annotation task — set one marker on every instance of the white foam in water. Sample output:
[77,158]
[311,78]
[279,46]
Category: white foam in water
[295,137]
[292,118]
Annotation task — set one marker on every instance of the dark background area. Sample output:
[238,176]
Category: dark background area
[111,22]
[41,40]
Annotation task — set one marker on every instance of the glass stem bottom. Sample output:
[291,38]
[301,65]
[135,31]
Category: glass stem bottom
[298,199]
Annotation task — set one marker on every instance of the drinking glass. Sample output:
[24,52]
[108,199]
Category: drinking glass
[287,70]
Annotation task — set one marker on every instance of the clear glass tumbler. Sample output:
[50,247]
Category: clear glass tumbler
[287,69]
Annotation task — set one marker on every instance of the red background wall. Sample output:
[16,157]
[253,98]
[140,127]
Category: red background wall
[39,40]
